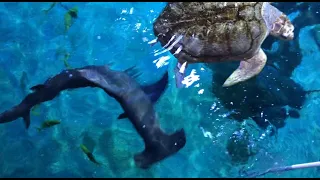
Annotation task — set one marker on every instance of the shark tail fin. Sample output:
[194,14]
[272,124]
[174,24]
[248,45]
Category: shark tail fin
[15,113]
[169,145]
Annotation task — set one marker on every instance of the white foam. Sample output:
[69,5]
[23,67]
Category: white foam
[189,80]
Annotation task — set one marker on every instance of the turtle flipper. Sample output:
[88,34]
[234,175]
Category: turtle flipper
[247,69]
[180,74]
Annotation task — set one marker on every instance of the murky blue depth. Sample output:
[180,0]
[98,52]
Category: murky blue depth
[34,45]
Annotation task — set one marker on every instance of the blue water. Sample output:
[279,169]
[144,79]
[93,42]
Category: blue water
[35,43]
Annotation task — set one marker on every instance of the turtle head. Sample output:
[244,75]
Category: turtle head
[282,28]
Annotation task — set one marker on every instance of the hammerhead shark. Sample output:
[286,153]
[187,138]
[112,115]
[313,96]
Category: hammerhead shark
[137,102]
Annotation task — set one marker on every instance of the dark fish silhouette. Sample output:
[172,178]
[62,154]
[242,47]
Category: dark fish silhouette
[119,85]
[48,124]
[89,154]
[51,7]
[69,18]
[46,11]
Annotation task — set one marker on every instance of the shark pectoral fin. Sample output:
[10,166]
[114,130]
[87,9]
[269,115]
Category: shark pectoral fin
[26,119]
[122,116]
[179,74]
[155,90]
[160,84]
[247,69]
[37,87]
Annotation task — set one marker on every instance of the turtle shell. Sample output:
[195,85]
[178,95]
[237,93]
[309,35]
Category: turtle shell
[211,31]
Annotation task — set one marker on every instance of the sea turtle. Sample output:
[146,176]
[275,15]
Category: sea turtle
[206,32]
